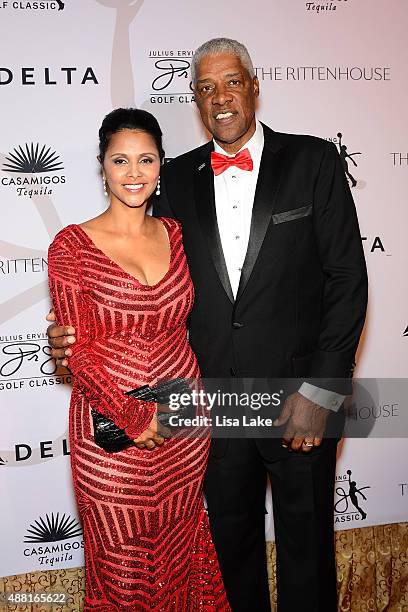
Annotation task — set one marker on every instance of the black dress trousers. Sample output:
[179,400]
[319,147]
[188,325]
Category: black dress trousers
[302,493]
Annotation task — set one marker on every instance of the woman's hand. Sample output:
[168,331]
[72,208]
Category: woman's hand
[153,436]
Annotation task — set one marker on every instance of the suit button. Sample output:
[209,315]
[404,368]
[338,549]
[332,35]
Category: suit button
[237,325]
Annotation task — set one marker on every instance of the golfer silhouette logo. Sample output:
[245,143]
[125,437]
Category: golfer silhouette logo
[343,503]
[344,156]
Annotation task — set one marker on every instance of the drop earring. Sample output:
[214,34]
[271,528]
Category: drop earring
[105,190]
[158,187]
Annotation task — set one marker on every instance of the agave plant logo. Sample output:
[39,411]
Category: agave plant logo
[405,332]
[53,529]
[2,462]
[32,160]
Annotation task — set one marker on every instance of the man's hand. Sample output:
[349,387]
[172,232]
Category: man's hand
[306,423]
[153,436]
[60,337]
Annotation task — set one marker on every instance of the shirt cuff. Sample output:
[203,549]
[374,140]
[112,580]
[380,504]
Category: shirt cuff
[322,397]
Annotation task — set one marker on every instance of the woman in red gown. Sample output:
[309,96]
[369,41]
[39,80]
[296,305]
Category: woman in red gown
[122,281]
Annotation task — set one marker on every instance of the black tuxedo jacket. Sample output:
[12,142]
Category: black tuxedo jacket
[301,302]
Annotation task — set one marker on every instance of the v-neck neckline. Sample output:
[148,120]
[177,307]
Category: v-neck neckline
[121,269]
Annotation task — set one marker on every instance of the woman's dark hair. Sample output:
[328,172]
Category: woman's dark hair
[129,119]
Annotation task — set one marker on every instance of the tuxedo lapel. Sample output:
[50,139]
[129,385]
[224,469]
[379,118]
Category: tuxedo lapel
[205,203]
[270,173]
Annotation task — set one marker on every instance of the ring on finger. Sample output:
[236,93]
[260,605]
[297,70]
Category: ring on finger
[308,443]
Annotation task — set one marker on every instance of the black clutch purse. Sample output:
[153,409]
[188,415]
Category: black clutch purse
[112,439]
[108,435]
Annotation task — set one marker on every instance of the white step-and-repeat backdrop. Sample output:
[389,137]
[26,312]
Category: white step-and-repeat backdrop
[334,69]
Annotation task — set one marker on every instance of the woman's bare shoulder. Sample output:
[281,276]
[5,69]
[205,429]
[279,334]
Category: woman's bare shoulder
[94,224]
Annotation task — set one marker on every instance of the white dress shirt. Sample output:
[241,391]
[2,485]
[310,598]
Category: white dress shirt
[234,198]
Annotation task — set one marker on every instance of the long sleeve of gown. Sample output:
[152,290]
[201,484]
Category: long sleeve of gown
[69,303]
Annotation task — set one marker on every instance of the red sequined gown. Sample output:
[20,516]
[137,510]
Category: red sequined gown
[147,539]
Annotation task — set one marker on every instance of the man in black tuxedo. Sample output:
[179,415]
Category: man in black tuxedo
[274,251]
[280,278]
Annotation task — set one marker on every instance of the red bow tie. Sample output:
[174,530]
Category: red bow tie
[220,163]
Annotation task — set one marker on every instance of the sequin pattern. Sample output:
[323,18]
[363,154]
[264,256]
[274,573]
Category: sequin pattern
[147,538]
